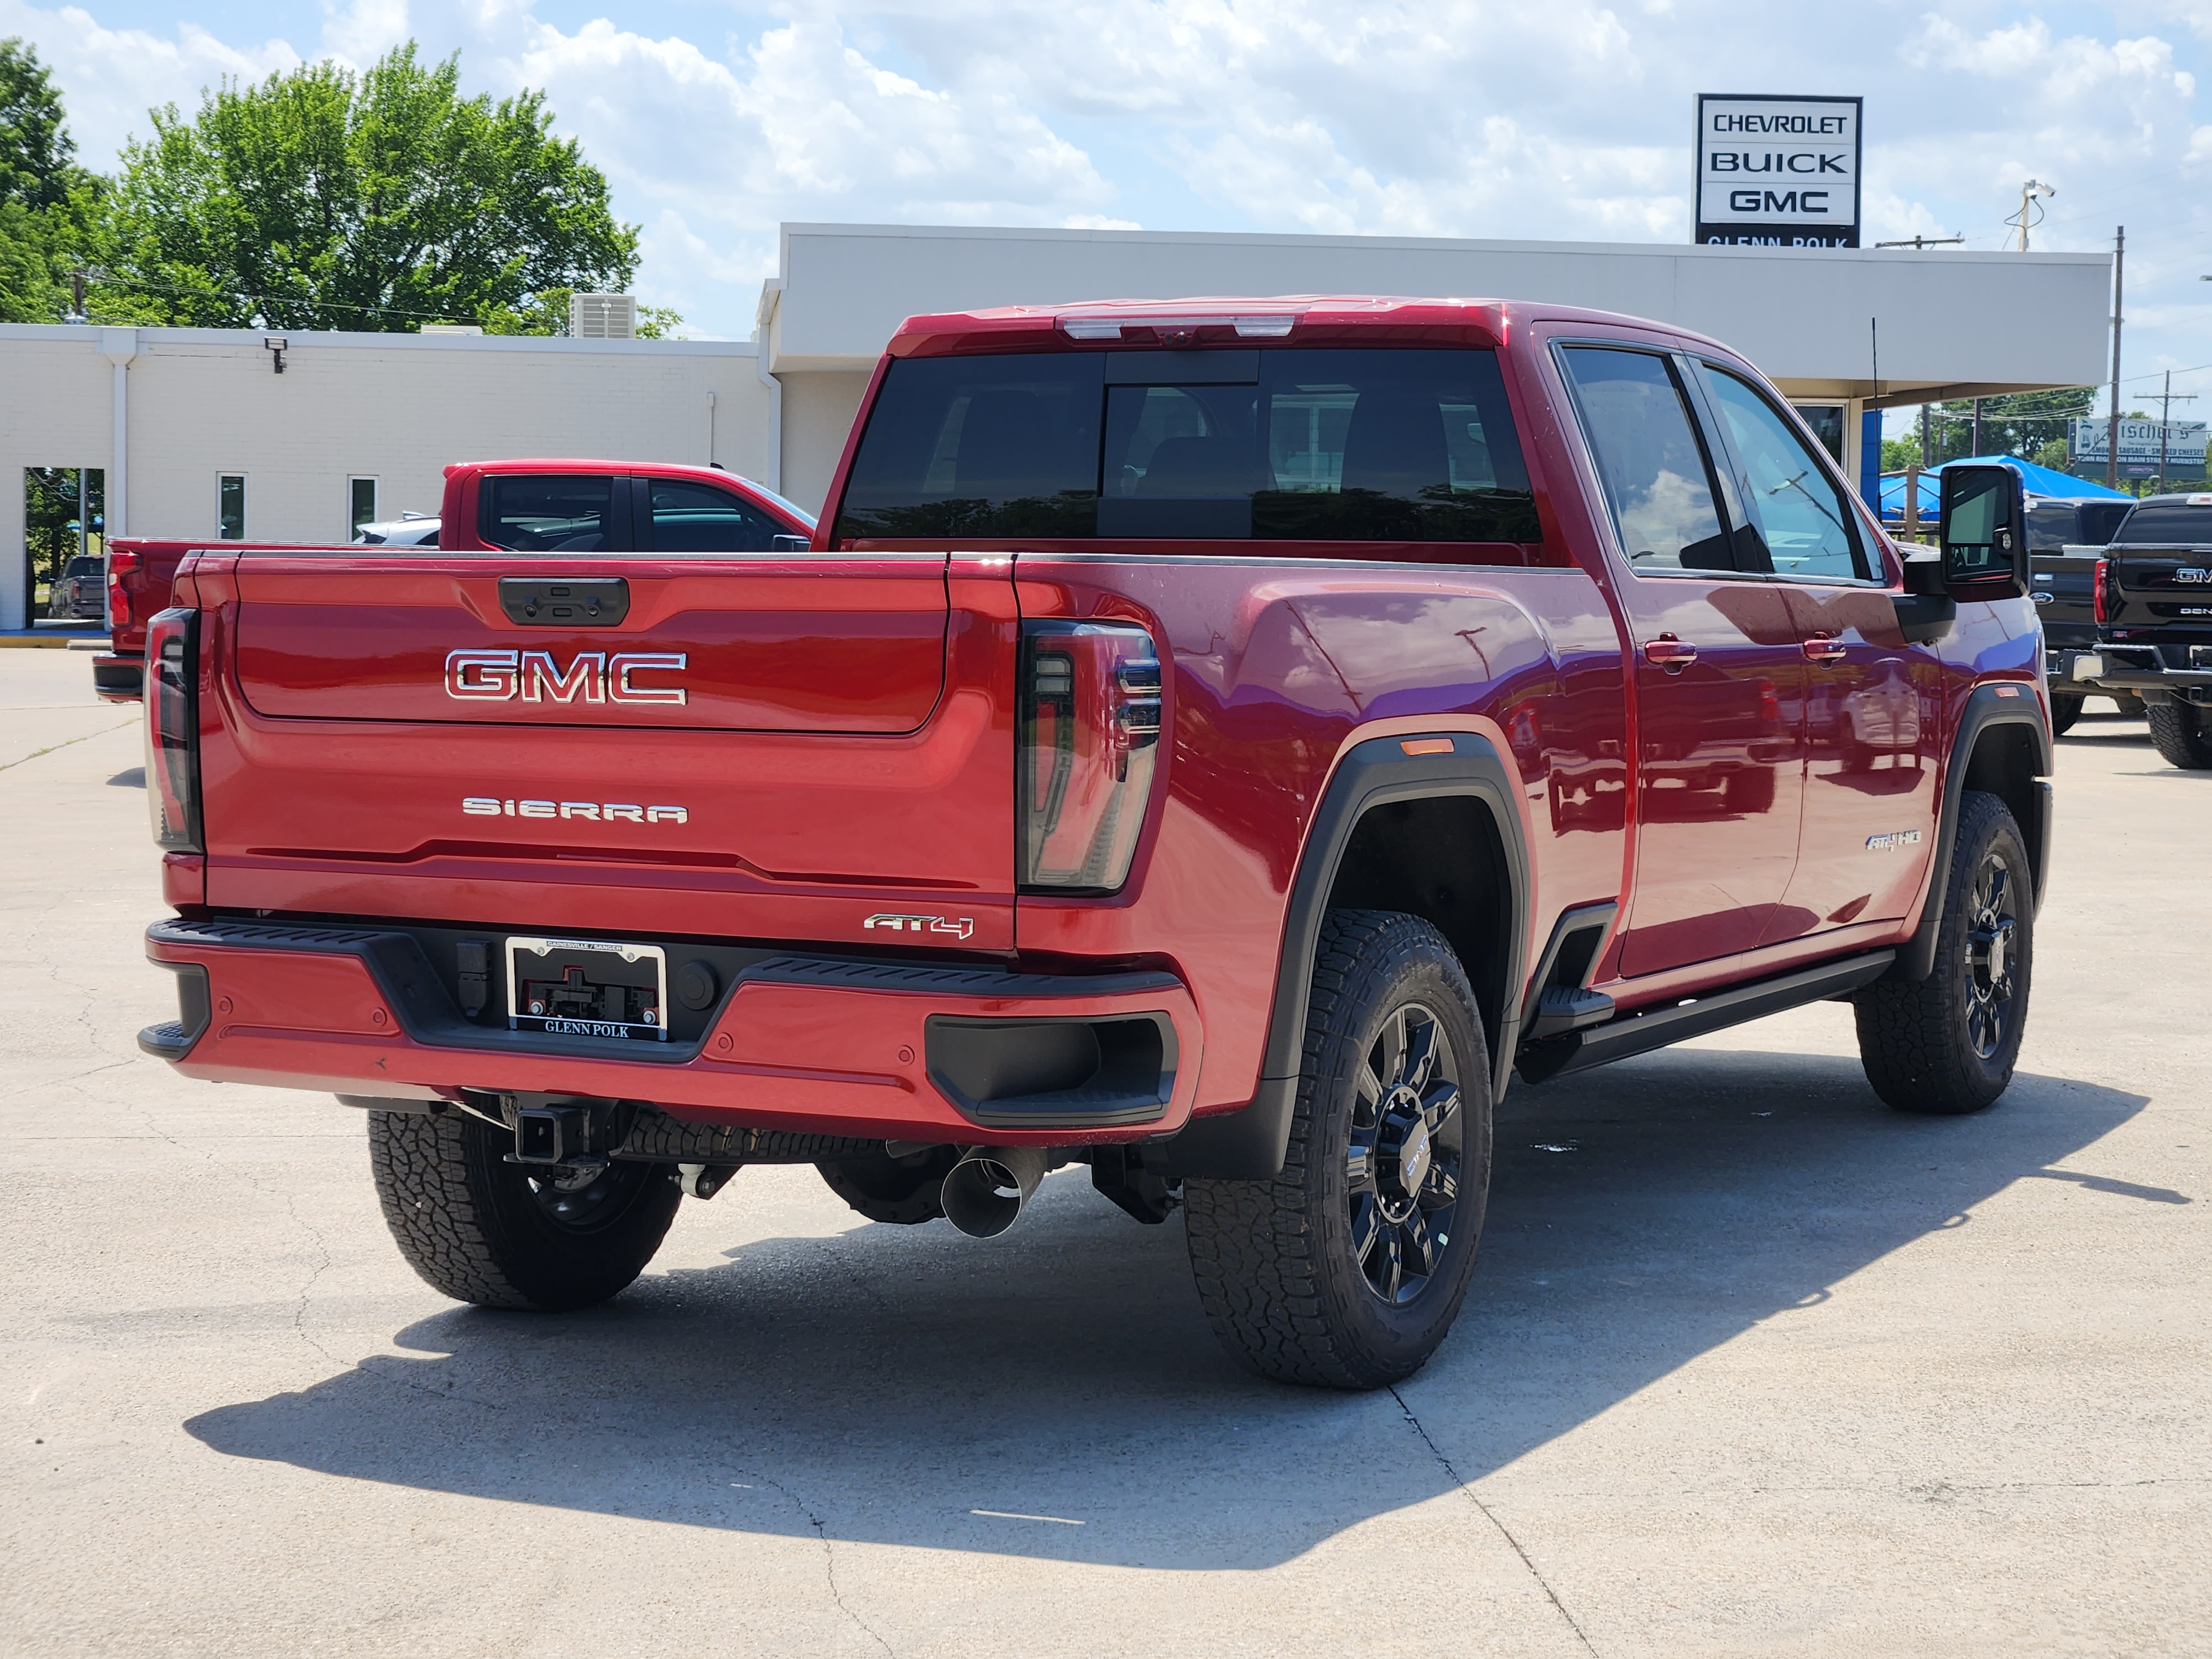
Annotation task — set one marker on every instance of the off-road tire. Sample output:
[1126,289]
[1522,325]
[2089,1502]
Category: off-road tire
[1919,1043]
[474,1228]
[2064,711]
[2178,730]
[1277,1267]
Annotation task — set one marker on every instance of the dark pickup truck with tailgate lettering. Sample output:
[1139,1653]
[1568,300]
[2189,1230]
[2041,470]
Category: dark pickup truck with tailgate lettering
[2150,605]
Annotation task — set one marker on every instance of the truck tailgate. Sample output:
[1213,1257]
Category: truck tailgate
[2165,588]
[779,747]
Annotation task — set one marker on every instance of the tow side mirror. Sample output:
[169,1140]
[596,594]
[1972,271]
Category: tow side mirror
[1984,533]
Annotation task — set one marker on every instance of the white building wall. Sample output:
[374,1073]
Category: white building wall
[398,408]
[1950,324]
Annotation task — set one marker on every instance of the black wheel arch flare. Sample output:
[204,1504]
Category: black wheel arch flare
[1249,1144]
[2002,746]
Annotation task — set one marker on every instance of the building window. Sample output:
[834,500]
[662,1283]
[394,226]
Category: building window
[361,504]
[230,506]
[1826,421]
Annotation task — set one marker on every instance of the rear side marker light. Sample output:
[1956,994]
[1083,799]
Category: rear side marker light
[1088,744]
[1427,746]
[173,747]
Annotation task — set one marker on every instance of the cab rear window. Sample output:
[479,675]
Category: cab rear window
[2153,523]
[1294,445]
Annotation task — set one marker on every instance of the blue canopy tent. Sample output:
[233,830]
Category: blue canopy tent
[2039,481]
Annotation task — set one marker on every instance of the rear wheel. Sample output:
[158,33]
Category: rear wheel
[1347,1269]
[2178,729]
[481,1230]
[2064,711]
[1946,1045]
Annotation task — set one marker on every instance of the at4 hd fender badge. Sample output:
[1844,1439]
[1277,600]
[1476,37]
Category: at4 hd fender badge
[958,926]
[1894,841]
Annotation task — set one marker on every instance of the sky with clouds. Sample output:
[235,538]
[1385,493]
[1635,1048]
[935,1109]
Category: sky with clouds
[714,121]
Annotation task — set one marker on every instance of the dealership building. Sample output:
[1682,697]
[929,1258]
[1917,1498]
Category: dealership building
[254,434]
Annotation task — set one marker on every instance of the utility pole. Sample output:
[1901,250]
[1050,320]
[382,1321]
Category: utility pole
[2029,192]
[1978,427]
[2165,422]
[2113,420]
[1927,454]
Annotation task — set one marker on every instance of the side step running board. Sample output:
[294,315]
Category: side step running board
[1647,1029]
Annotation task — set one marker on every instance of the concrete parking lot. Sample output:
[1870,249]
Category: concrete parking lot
[1751,1364]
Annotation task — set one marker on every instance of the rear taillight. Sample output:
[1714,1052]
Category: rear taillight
[173,746]
[1089,735]
[119,565]
[2097,605]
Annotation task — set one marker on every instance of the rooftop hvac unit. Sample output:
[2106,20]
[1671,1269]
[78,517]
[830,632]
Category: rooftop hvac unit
[603,316]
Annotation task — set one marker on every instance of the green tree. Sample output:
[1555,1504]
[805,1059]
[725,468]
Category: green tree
[322,199]
[45,197]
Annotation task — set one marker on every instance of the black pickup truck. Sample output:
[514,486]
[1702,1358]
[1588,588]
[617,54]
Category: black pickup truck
[2150,598]
[2065,539]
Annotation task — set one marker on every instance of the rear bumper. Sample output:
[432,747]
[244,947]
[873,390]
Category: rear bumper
[117,679]
[2135,668]
[808,1043]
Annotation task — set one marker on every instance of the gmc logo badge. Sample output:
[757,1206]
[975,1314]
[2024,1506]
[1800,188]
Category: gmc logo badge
[533,677]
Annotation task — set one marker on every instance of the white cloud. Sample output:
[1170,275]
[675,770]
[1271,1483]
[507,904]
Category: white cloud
[1479,118]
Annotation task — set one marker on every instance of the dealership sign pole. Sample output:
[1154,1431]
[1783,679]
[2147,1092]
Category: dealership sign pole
[1775,172]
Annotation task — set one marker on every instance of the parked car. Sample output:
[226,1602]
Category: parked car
[2151,606]
[2064,539]
[408,530]
[77,593]
[1198,743]
[141,569]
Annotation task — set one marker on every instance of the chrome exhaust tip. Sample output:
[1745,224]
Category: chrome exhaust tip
[986,1190]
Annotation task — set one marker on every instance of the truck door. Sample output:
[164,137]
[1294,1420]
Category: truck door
[1719,674]
[1871,700]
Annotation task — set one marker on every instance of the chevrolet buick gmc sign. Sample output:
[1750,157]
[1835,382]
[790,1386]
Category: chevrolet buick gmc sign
[1777,172]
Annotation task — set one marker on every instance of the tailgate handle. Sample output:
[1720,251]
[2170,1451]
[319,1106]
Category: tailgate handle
[576,602]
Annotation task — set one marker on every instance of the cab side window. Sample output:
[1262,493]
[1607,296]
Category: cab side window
[553,513]
[694,518]
[1657,481]
[1793,504]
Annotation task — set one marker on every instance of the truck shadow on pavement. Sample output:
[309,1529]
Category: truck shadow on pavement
[1057,1393]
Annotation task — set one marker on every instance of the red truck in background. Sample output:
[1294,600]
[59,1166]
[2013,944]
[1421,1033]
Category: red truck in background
[140,570]
[1218,743]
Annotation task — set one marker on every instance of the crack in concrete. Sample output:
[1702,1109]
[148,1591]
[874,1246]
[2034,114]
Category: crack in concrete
[829,1556]
[1490,1516]
[65,743]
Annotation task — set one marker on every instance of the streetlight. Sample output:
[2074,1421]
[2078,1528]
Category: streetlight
[2028,192]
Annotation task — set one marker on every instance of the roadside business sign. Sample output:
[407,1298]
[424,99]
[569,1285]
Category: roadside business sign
[2184,443]
[1776,172]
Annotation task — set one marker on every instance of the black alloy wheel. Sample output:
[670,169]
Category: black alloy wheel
[1992,947]
[1346,1270]
[587,1202]
[1947,1044]
[1403,1162]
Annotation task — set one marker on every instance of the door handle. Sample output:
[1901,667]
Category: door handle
[1824,648]
[1670,653]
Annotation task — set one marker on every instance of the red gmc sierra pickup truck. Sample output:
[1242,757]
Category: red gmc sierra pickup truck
[1218,743]
[141,569]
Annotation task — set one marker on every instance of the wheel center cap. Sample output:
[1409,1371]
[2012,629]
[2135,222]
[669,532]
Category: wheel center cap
[1415,1154]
